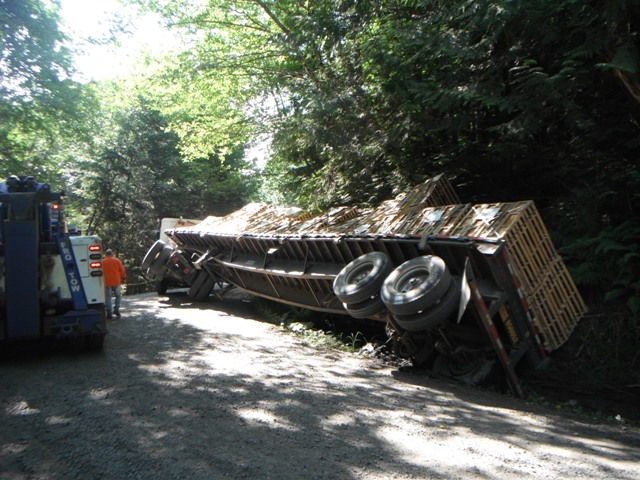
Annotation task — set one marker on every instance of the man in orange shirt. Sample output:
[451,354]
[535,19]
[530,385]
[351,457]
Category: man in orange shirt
[114,276]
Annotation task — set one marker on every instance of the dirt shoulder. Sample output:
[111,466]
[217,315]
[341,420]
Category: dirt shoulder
[202,391]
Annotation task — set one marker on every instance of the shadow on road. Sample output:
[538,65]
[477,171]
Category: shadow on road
[202,391]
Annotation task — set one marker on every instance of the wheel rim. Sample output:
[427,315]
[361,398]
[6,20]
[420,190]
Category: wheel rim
[416,285]
[360,274]
[362,278]
[411,281]
[435,314]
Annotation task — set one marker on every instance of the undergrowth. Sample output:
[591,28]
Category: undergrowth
[315,328]
[596,372]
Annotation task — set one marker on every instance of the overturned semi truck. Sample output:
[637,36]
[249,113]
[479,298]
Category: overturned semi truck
[464,289]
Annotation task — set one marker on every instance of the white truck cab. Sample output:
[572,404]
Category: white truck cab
[171,223]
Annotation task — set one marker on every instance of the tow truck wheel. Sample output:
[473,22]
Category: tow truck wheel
[362,278]
[434,315]
[94,341]
[151,255]
[415,285]
[366,308]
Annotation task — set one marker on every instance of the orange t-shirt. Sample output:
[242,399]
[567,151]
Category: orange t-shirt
[114,272]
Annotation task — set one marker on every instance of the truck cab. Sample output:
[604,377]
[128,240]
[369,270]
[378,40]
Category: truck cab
[165,264]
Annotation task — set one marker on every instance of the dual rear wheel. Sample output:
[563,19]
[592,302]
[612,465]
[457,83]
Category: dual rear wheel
[421,293]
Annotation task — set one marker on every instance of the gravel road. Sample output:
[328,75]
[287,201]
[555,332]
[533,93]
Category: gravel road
[207,391]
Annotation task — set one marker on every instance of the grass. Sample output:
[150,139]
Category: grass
[304,325]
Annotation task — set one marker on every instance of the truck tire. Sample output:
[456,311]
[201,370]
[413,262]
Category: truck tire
[94,341]
[469,369]
[151,255]
[161,286]
[362,278]
[205,289]
[366,308]
[198,280]
[435,315]
[415,285]
[159,264]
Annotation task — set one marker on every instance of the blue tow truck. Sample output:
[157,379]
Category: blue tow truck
[51,282]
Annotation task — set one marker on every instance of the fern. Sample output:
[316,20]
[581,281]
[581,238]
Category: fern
[625,58]
[611,262]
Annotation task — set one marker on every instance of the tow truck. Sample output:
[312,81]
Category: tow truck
[51,282]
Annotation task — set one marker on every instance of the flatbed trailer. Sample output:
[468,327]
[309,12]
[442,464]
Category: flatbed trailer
[462,288]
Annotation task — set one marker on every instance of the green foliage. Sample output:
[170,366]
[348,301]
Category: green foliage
[598,233]
[311,328]
[206,91]
[512,99]
[140,176]
[41,108]
[307,333]
[610,261]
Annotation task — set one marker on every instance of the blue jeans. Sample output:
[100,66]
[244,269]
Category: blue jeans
[109,292]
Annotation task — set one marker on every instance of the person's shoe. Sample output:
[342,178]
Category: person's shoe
[117,313]
[109,316]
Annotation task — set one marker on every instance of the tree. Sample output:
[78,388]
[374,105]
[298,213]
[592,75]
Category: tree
[140,175]
[40,105]
[512,99]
